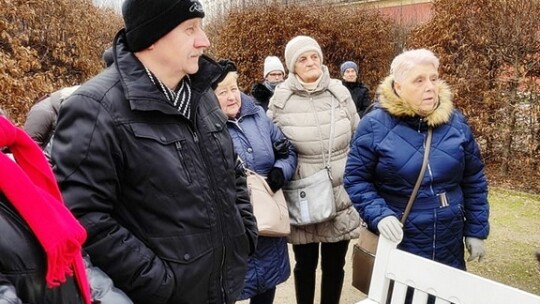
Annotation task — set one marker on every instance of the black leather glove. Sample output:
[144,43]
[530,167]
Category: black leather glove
[275,179]
[281,148]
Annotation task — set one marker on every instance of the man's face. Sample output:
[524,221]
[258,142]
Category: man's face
[181,48]
[275,76]
[350,75]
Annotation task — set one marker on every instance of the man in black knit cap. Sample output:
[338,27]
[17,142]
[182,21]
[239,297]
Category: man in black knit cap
[145,162]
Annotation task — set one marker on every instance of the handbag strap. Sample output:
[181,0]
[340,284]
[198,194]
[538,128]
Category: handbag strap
[420,178]
[330,139]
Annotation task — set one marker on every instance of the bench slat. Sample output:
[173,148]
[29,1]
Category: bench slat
[419,297]
[399,293]
[447,284]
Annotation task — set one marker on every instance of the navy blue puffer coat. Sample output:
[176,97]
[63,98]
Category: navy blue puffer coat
[384,163]
[253,134]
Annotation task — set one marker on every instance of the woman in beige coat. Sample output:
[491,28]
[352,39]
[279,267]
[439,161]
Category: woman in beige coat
[301,107]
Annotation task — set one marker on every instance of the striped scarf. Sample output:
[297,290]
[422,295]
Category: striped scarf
[180,98]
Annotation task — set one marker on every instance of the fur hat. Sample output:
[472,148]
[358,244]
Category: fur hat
[272,63]
[146,21]
[298,45]
[226,66]
[348,65]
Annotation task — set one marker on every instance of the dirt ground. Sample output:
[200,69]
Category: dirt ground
[349,295]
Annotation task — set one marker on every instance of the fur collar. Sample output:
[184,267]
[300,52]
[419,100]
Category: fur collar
[397,107]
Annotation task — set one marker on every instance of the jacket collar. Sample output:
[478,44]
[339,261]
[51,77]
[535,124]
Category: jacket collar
[396,106]
[142,94]
[248,106]
[294,84]
[291,86]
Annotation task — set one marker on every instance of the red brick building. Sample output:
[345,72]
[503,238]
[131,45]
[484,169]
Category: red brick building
[405,12]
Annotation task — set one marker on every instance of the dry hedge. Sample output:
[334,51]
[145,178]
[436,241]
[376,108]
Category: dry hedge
[248,36]
[489,53]
[49,44]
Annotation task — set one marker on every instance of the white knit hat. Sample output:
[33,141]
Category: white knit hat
[298,45]
[272,63]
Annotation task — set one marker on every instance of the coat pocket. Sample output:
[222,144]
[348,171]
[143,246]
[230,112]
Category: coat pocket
[192,260]
[167,145]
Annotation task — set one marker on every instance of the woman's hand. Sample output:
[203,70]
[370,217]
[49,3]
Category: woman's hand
[391,228]
[281,148]
[476,248]
[275,179]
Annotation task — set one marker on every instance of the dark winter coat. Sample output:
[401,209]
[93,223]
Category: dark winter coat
[383,165]
[262,95]
[23,265]
[41,119]
[164,203]
[359,94]
[253,134]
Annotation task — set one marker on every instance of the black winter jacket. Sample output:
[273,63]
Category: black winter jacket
[262,95]
[23,265]
[162,198]
[360,95]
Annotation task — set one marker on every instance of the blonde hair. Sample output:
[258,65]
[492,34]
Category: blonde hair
[404,62]
[230,77]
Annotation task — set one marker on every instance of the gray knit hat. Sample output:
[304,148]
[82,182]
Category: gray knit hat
[298,45]
[146,21]
[348,65]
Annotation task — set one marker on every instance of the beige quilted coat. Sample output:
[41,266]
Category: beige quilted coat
[296,111]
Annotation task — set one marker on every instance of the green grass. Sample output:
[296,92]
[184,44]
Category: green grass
[514,237]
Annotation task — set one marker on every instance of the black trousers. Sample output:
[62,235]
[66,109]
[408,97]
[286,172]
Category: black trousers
[266,297]
[332,263]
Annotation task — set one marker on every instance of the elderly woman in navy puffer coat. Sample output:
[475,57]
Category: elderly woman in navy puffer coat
[264,149]
[451,209]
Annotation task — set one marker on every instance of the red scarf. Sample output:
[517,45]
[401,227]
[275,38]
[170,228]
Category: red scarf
[31,188]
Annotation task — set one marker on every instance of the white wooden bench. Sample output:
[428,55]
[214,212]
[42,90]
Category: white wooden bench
[447,284]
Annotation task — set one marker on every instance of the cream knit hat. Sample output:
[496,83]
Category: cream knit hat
[298,45]
[272,63]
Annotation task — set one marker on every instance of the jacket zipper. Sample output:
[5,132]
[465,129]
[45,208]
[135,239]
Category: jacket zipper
[208,168]
[214,136]
[180,152]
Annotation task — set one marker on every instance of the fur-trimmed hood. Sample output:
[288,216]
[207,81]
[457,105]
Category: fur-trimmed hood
[396,106]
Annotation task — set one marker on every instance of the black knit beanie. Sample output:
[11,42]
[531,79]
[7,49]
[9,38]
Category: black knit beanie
[146,21]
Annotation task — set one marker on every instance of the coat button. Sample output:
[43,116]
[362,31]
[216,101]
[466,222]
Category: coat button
[187,257]
[217,125]
[249,150]
[162,138]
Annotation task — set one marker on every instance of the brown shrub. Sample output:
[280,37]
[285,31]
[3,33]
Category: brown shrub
[49,44]
[489,49]
[248,36]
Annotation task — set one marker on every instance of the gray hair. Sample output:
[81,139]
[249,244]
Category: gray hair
[404,62]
